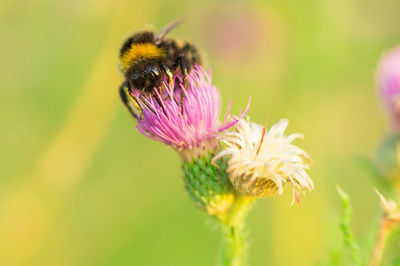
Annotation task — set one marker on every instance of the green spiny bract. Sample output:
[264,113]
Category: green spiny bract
[208,185]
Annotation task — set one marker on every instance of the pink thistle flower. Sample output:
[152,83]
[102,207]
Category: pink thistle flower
[389,85]
[192,127]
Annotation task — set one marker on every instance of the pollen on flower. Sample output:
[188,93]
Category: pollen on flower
[262,161]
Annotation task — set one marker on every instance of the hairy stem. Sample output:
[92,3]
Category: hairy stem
[234,249]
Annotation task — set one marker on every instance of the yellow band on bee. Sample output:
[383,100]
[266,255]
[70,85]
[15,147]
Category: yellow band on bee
[139,51]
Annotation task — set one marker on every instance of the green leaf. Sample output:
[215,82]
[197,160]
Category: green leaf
[349,237]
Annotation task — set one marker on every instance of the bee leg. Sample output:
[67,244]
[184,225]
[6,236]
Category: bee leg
[157,96]
[170,81]
[188,57]
[146,102]
[168,73]
[125,97]
[185,67]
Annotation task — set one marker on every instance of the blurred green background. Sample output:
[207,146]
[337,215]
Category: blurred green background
[80,186]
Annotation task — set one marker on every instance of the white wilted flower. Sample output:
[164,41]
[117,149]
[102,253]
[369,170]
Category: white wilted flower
[261,162]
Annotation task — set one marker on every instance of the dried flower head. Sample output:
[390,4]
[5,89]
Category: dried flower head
[262,162]
[389,84]
[190,126]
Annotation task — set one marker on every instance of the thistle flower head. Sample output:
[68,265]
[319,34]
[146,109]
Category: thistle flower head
[185,118]
[389,84]
[262,162]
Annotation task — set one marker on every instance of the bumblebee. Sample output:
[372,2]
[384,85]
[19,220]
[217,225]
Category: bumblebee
[148,59]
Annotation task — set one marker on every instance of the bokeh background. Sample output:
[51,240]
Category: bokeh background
[80,186]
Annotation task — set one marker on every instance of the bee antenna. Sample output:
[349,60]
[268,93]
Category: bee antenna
[161,35]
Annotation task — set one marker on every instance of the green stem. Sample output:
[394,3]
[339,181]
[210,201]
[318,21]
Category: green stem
[234,249]
[384,230]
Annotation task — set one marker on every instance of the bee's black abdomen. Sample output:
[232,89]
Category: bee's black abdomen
[141,37]
[127,44]
[191,51]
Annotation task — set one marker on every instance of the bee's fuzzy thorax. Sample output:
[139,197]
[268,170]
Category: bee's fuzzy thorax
[139,51]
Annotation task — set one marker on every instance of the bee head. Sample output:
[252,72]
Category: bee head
[146,77]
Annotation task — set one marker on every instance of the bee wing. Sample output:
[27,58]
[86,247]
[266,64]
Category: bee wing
[161,35]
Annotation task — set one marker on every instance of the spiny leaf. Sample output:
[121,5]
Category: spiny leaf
[349,237]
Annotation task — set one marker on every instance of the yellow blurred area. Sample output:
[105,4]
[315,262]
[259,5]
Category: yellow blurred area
[80,186]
